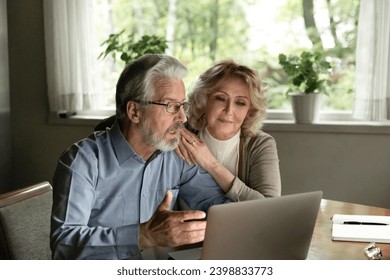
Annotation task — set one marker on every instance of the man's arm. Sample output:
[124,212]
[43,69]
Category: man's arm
[73,199]
[73,236]
[199,190]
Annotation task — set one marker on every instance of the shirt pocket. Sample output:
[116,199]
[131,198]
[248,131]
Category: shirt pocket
[115,211]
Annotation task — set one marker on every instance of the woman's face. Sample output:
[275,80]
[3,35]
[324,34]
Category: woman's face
[227,108]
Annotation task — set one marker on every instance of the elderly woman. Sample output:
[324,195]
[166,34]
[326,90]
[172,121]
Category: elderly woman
[227,109]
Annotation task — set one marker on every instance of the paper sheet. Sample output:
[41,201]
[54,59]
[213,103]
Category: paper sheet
[361,232]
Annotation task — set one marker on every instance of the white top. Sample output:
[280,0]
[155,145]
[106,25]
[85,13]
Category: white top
[225,151]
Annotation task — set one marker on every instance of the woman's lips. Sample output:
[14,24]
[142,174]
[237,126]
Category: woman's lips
[225,121]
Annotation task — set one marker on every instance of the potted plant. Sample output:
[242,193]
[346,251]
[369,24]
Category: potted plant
[128,48]
[308,77]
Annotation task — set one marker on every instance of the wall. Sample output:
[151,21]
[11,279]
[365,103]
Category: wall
[36,144]
[5,109]
[350,167]
[346,166]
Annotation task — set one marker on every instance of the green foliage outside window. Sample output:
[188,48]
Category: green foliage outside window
[128,48]
[205,31]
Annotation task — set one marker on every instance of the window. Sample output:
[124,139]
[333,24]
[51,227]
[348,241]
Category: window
[200,33]
[251,32]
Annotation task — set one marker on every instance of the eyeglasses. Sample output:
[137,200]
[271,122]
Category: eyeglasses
[171,107]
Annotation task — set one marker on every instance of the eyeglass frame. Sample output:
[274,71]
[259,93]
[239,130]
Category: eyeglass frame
[185,104]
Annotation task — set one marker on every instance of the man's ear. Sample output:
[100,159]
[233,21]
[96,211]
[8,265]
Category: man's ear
[133,112]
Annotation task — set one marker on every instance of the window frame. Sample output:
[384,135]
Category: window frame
[273,114]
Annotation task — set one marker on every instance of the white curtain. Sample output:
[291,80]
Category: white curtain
[373,61]
[69,60]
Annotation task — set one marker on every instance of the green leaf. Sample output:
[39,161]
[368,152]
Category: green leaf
[306,71]
[129,48]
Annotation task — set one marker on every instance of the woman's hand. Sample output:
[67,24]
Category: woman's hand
[194,151]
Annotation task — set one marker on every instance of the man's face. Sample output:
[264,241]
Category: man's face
[160,128]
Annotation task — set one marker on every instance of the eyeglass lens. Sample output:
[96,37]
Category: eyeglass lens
[175,107]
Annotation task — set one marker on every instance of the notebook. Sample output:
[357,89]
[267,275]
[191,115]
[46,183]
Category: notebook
[361,228]
[272,228]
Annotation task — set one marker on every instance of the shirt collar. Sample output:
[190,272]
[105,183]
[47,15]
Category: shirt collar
[123,149]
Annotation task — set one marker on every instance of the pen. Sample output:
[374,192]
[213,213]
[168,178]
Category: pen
[364,223]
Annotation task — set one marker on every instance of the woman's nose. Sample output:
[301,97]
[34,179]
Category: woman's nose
[228,107]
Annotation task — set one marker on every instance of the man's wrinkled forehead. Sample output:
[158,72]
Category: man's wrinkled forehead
[169,89]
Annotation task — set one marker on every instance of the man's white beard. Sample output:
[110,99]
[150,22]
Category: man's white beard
[158,143]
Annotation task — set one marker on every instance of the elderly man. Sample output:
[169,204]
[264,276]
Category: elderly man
[114,191]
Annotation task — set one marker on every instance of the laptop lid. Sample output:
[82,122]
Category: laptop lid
[273,228]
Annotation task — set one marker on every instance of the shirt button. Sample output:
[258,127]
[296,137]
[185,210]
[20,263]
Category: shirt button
[104,202]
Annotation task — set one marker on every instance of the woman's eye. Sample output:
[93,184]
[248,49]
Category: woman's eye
[239,103]
[220,98]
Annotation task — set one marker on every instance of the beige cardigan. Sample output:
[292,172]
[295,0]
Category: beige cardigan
[258,169]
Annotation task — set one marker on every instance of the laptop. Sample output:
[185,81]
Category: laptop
[278,228]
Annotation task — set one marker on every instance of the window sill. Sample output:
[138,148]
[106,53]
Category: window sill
[81,120]
[270,125]
[355,127]
[330,122]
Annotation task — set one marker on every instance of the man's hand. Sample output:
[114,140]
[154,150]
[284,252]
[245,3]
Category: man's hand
[172,228]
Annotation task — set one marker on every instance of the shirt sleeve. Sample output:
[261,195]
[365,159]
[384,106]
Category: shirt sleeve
[199,190]
[73,200]
[261,172]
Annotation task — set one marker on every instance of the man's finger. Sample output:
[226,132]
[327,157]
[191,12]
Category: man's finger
[192,215]
[191,237]
[193,225]
[166,202]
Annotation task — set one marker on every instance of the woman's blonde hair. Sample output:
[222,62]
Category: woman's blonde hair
[210,81]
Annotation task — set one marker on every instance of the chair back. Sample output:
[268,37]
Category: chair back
[25,223]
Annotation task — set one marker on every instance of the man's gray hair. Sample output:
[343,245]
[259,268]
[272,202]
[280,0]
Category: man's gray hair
[137,81]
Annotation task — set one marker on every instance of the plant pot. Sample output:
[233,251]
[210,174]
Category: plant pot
[306,107]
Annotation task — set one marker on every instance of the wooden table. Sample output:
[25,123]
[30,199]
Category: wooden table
[323,248]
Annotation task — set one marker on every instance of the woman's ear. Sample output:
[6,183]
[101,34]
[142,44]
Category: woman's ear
[132,111]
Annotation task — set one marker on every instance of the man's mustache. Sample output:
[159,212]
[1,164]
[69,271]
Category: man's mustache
[178,126]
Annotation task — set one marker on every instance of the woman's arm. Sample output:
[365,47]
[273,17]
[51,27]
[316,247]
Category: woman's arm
[259,170]
[260,167]
[194,151]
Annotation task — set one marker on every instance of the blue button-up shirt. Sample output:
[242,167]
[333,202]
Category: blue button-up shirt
[103,190]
